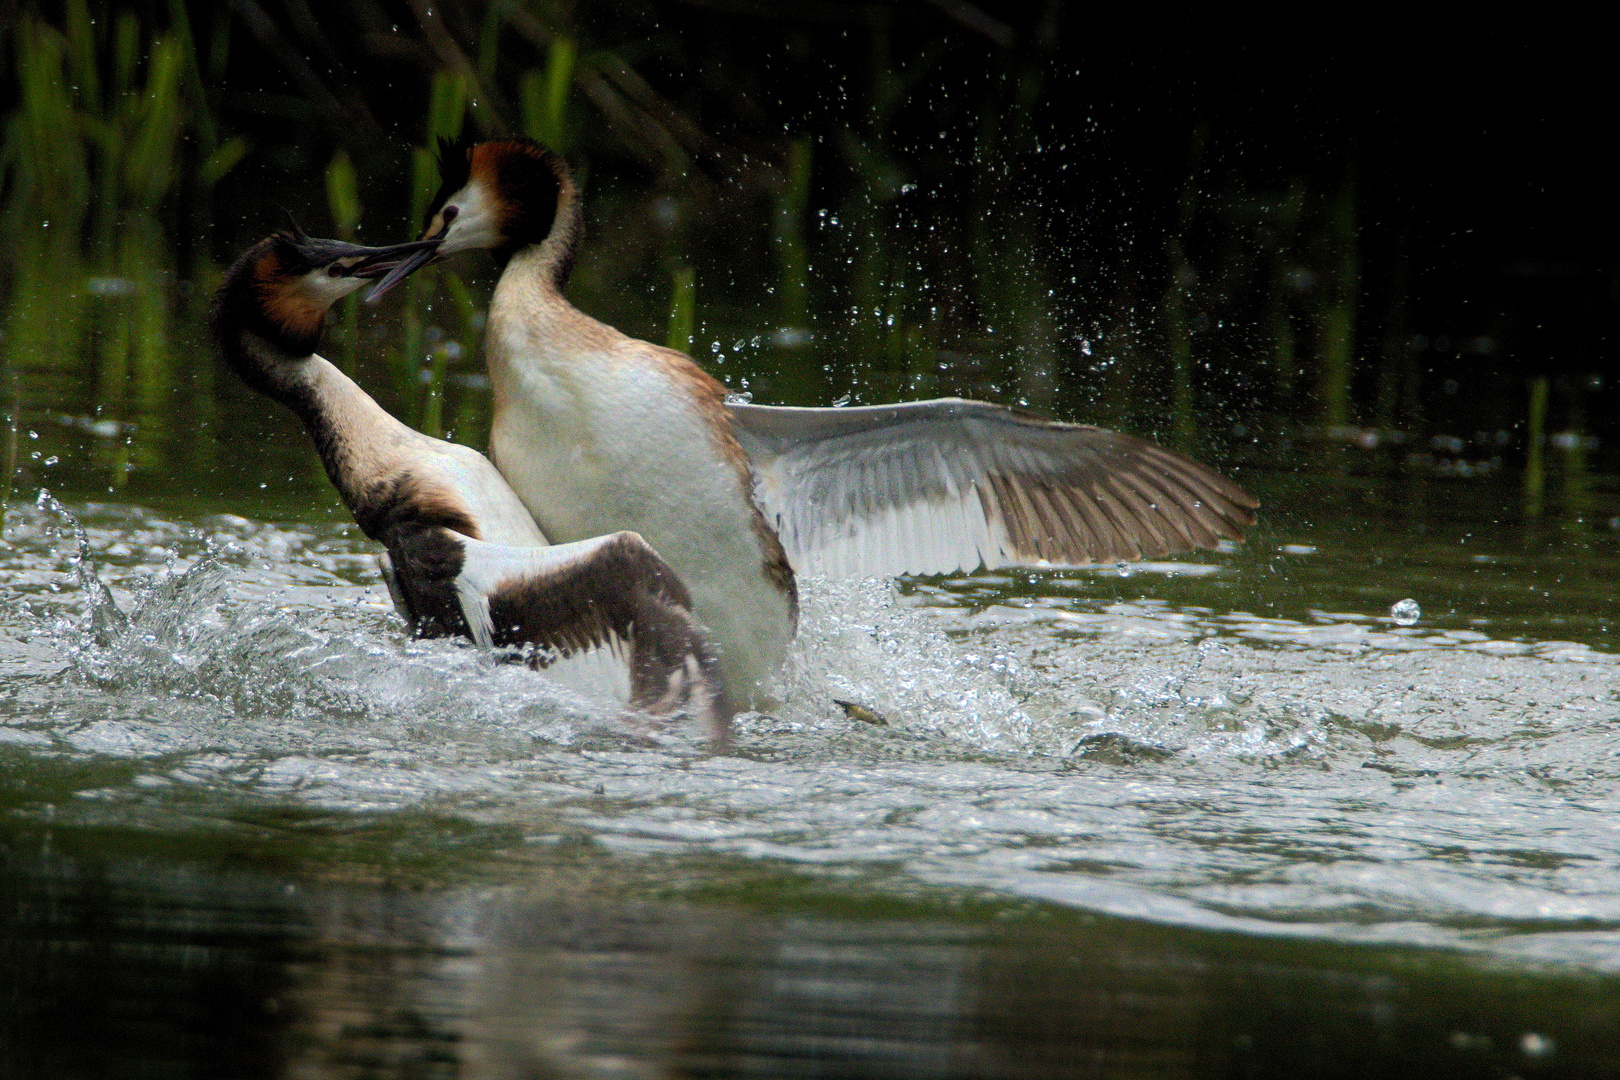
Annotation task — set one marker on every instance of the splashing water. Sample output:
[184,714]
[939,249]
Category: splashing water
[105,622]
[1341,776]
[289,667]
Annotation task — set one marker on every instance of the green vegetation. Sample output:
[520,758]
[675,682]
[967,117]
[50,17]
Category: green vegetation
[343,199]
[111,120]
[1535,467]
[545,95]
[900,222]
[683,308]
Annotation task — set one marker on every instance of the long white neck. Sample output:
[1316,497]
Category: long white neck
[530,278]
[533,330]
[360,443]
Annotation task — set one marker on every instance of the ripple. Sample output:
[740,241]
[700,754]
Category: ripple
[1336,775]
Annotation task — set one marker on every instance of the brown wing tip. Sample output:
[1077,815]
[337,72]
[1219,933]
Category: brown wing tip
[675,668]
[1142,501]
[1232,504]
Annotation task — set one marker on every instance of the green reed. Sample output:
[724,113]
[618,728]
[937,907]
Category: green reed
[1575,491]
[110,119]
[682,308]
[1535,463]
[13,408]
[45,152]
[544,95]
[116,117]
[343,201]
[411,360]
[114,148]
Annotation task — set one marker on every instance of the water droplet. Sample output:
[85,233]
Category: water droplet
[1533,1044]
[1405,612]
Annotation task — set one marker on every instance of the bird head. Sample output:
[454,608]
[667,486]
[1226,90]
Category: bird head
[499,196]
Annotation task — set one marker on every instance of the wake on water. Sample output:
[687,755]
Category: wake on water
[218,626]
[240,623]
[1357,778]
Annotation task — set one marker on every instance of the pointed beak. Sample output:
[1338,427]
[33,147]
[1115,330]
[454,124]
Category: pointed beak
[377,262]
[405,268]
[344,259]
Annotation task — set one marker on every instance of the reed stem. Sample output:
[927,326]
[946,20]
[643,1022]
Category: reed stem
[343,200]
[793,255]
[683,309]
[544,95]
[1535,467]
[13,408]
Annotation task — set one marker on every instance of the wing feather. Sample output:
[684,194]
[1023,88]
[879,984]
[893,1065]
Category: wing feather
[945,485]
[1152,527]
[1172,532]
[608,609]
[1070,527]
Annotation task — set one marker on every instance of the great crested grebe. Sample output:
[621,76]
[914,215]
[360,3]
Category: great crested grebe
[463,553]
[595,430]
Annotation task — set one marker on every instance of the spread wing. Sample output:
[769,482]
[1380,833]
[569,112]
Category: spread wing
[605,614]
[932,487]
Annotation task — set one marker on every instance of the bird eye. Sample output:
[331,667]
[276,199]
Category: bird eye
[450,213]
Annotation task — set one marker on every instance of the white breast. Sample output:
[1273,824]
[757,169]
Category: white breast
[598,441]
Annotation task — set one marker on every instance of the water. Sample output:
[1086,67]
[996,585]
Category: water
[1181,796]
[1339,801]
[1343,777]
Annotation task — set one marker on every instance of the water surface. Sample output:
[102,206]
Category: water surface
[1245,812]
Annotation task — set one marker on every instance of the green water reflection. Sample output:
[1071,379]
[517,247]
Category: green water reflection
[282,946]
[115,393]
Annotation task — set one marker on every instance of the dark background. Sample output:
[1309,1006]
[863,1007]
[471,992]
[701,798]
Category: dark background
[1044,184]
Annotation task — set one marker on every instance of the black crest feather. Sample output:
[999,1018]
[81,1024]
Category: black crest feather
[455,169]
